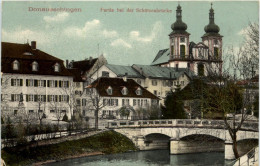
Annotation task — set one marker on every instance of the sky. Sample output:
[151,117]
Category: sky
[124,38]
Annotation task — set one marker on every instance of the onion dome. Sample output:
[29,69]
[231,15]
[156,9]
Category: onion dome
[179,26]
[211,27]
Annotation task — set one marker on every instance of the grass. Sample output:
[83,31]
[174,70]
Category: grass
[106,142]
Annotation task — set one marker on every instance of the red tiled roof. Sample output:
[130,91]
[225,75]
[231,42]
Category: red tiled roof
[102,83]
[25,55]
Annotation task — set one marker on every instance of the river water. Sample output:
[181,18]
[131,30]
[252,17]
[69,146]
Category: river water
[148,158]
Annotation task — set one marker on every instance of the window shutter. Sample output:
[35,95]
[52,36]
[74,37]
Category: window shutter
[56,98]
[68,98]
[59,98]
[60,83]
[27,98]
[48,98]
[21,82]
[12,82]
[26,82]
[35,98]
[44,98]
[56,83]
[44,83]
[12,97]
[35,83]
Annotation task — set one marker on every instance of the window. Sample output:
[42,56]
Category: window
[177,66]
[182,51]
[155,92]
[109,90]
[105,74]
[84,102]
[41,83]
[57,67]
[216,52]
[170,83]
[138,102]
[29,82]
[15,97]
[16,65]
[134,102]
[188,65]
[154,82]
[182,39]
[16,82]
[40,111]
[138,91]
[31,111]
[124,91]
[78,102]
[215,41]
[63,111]
[29,98]
[172,49]
[52,111]
[35,66]
[164,83]
[15,112]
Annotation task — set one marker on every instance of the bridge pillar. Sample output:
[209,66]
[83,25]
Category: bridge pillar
[139,142]
[174,146]
[229,154]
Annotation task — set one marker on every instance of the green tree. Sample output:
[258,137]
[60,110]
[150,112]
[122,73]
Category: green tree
[124,112]
[173,106]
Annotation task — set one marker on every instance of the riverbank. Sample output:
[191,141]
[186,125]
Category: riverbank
[103,143]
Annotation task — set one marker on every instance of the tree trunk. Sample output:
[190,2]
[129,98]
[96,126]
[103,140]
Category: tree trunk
[235,145]
[96,119]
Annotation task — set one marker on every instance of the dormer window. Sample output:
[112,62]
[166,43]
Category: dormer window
[138,91]
[124,91]
[57,67]
[16,65]
[35,66]
[109,90]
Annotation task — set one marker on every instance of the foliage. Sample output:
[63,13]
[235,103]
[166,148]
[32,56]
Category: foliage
[173,106]
[124,112]
[106,142]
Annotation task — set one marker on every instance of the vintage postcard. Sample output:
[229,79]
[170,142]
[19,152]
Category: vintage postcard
[129,83]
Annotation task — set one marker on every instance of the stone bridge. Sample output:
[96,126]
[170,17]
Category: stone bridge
[184,136]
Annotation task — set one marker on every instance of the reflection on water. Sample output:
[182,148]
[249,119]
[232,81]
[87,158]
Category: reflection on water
[151,158]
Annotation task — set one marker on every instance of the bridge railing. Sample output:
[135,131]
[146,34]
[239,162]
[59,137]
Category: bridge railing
[250,158]
[177,123]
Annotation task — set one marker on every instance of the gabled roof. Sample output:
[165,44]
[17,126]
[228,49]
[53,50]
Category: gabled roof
[76,75]
[158,72]
[162,56]
[25,55]
[102,83]
[84,65]
[200,44]
[120,71]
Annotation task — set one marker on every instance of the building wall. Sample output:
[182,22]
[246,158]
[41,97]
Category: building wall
[9,106]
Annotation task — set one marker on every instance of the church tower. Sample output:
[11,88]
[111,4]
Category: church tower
[213,40]
[179,42]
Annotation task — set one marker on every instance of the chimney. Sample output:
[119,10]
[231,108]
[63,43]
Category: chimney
[125,77]
[33,45]
[67,63]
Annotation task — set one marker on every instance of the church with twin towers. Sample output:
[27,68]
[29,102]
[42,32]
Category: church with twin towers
[201,58]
